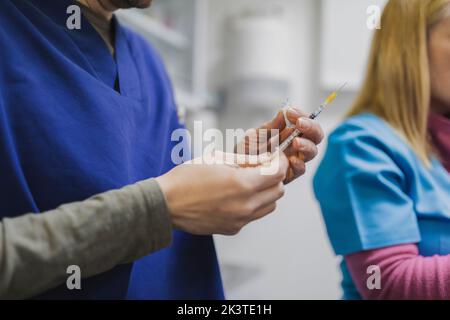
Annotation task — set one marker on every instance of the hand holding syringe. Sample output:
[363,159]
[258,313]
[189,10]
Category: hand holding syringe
[300,154]
[297,133]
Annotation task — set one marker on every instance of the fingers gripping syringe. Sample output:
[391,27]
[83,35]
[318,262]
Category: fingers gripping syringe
[297,133]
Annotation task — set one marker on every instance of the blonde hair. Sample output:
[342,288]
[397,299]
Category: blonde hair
[397,84]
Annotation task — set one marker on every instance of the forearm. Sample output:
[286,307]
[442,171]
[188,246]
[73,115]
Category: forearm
[404,274]
[106,230]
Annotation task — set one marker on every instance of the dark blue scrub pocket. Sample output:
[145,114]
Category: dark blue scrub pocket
[435,234]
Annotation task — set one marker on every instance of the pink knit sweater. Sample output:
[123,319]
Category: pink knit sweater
[405,274]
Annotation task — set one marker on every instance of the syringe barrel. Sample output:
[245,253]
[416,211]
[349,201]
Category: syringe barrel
[289,140]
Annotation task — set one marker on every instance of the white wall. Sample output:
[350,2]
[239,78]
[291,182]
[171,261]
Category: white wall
[286,255]
[345,40]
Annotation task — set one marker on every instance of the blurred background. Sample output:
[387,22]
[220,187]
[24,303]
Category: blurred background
[232,64]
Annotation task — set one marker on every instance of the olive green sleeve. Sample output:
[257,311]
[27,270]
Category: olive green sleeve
[106,230]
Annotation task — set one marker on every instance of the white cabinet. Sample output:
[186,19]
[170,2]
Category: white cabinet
[177,30]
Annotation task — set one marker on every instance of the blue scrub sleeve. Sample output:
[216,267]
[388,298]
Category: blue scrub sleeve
[362,195]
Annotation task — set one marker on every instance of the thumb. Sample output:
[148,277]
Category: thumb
[293,114]
[276,123]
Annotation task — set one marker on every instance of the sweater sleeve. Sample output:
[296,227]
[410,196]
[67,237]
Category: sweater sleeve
[112,228]
[405,275]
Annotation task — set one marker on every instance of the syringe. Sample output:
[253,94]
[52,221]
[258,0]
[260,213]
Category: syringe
[297,133]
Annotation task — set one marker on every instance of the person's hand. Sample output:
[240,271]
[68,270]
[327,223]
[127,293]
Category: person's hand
[219,198]
[302,149]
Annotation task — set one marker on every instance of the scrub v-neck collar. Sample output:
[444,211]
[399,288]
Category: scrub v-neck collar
[95,51]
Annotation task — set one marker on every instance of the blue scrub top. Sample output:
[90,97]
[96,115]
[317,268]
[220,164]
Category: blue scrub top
[375,192]
[75,122]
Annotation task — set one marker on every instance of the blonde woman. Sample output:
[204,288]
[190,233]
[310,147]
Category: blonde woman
[384,186]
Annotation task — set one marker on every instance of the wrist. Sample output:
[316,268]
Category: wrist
[168,189]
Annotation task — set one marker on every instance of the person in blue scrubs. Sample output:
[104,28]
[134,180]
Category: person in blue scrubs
[80,116]
[375,193]
[63,93]
[382,183]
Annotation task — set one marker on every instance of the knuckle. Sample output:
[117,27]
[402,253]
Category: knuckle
[315,151]
[233,179]
[232,227]
[309,145]
[310,153]
[240,226]
[302,169]
[318,134]
[281,190]
[236,228]
[321,135]
[248,209]
[247,187]
[242,185]
[230,231]
[273,208]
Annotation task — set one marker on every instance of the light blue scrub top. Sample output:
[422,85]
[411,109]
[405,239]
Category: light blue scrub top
[375,192]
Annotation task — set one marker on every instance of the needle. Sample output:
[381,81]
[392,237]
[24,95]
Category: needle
[314,115]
